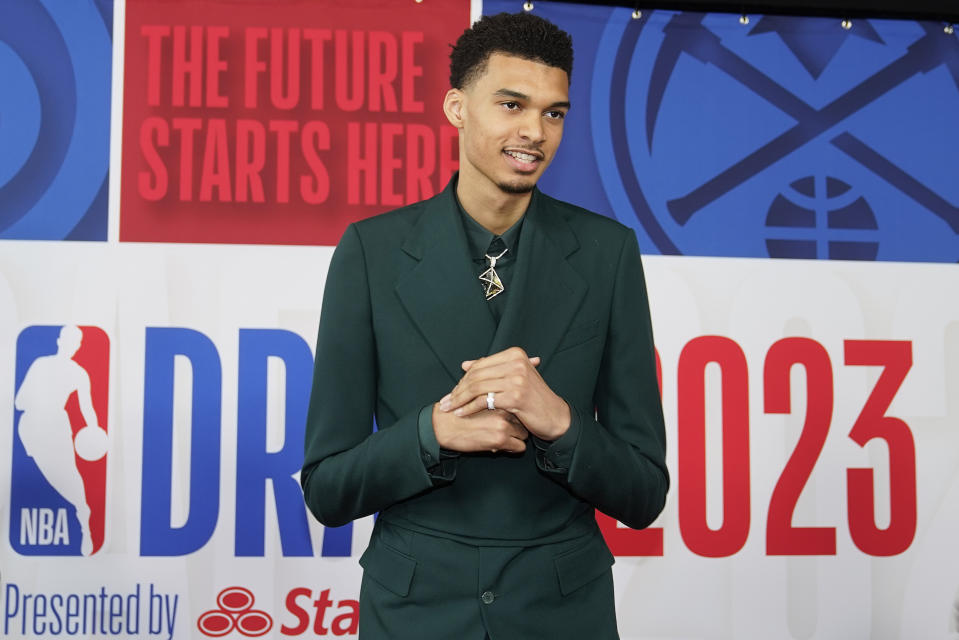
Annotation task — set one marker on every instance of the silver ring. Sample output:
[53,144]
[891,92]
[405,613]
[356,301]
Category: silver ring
[490,404]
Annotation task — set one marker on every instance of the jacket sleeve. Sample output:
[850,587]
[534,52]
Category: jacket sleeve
[616,459]
[350,470]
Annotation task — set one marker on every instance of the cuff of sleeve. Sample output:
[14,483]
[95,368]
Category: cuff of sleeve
[557,456]
[440,463]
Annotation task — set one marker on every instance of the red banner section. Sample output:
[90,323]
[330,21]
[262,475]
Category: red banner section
[282,122]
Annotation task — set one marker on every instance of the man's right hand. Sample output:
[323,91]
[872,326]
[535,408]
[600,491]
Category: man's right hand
[493,431]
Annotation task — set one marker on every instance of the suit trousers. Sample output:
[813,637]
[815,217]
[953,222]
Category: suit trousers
[424,587]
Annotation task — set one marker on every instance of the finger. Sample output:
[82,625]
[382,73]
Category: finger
[498,431]
[482,379]
[515,446]
[506,401]
[512,443]
[512,353]
[468,391]
[468,364]
[479,371]
[514,419]
[513,425]
[477,404]
[483,369]
[476,394]
[519,432]
[481,374]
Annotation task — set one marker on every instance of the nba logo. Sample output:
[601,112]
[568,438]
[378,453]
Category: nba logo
[59,467]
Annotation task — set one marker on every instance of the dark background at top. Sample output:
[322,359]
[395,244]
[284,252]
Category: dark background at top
[944,10]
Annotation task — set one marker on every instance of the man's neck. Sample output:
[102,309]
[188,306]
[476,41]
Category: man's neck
[494,209]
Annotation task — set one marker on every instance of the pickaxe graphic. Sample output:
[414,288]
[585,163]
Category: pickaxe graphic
[927,53]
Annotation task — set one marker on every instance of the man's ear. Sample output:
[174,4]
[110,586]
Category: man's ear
[453,107]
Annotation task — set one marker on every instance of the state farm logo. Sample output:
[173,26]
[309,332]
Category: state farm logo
[235,612]
[307,612]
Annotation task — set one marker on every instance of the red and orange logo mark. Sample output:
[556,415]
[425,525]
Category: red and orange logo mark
[235,612]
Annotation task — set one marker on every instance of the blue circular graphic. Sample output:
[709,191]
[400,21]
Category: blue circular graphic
[19,114]
[53,184]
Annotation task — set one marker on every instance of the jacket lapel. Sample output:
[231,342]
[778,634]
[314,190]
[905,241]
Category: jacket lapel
[440,292]
[547,291]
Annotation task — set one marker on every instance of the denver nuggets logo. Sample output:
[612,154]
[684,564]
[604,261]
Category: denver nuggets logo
[60,441]
[788,137]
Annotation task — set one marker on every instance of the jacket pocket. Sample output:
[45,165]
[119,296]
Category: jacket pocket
[579,334]
[580,566]
[389,567]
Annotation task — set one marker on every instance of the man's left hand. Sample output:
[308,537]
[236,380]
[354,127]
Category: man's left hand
[517,387]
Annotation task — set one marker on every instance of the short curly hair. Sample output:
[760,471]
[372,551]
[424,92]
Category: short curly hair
[517,34]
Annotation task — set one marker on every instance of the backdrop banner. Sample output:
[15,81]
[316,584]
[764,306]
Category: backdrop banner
[281,122]
[792,183]
[812,441]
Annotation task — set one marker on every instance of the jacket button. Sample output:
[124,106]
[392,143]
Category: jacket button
[487,597]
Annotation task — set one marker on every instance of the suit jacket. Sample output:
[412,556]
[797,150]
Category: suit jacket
[402,309]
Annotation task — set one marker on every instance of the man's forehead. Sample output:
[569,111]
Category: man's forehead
[506,75]
[503,62]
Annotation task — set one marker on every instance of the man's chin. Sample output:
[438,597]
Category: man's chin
[516,187]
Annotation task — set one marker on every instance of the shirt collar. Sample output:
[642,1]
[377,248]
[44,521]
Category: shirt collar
[479,238]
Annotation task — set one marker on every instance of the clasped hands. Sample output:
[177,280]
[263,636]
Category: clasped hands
[524,404]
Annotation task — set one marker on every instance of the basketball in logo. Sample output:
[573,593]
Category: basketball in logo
[796,218]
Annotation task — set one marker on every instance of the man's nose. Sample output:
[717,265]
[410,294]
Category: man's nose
[532,128]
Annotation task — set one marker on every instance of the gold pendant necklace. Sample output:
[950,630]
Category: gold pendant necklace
[492,285]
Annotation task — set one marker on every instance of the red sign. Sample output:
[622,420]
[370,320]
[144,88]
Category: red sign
[282,122]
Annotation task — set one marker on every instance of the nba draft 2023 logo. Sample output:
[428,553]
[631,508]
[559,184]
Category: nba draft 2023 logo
[60,442]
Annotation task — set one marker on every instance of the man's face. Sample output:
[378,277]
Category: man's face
[511,121]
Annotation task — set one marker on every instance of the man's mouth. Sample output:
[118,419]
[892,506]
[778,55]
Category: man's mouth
[522,160]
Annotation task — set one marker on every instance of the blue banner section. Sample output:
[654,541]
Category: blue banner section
[771,136]
[55,70]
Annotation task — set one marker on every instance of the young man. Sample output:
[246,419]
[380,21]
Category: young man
[501,340]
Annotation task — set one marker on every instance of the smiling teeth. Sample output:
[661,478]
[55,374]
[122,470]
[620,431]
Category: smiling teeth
[522,157]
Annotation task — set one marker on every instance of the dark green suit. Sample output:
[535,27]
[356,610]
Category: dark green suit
[514,535]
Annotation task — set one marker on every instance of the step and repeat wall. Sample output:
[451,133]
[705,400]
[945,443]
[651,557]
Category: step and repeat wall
[174,177]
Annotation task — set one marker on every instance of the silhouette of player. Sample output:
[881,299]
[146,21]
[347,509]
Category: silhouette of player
[44,427]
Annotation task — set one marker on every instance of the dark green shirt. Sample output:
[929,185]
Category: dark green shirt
[483,242]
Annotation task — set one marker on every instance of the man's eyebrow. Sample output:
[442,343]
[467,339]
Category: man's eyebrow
[509,93]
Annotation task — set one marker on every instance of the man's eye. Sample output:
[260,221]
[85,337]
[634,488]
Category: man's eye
[555,115]
[511,106]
